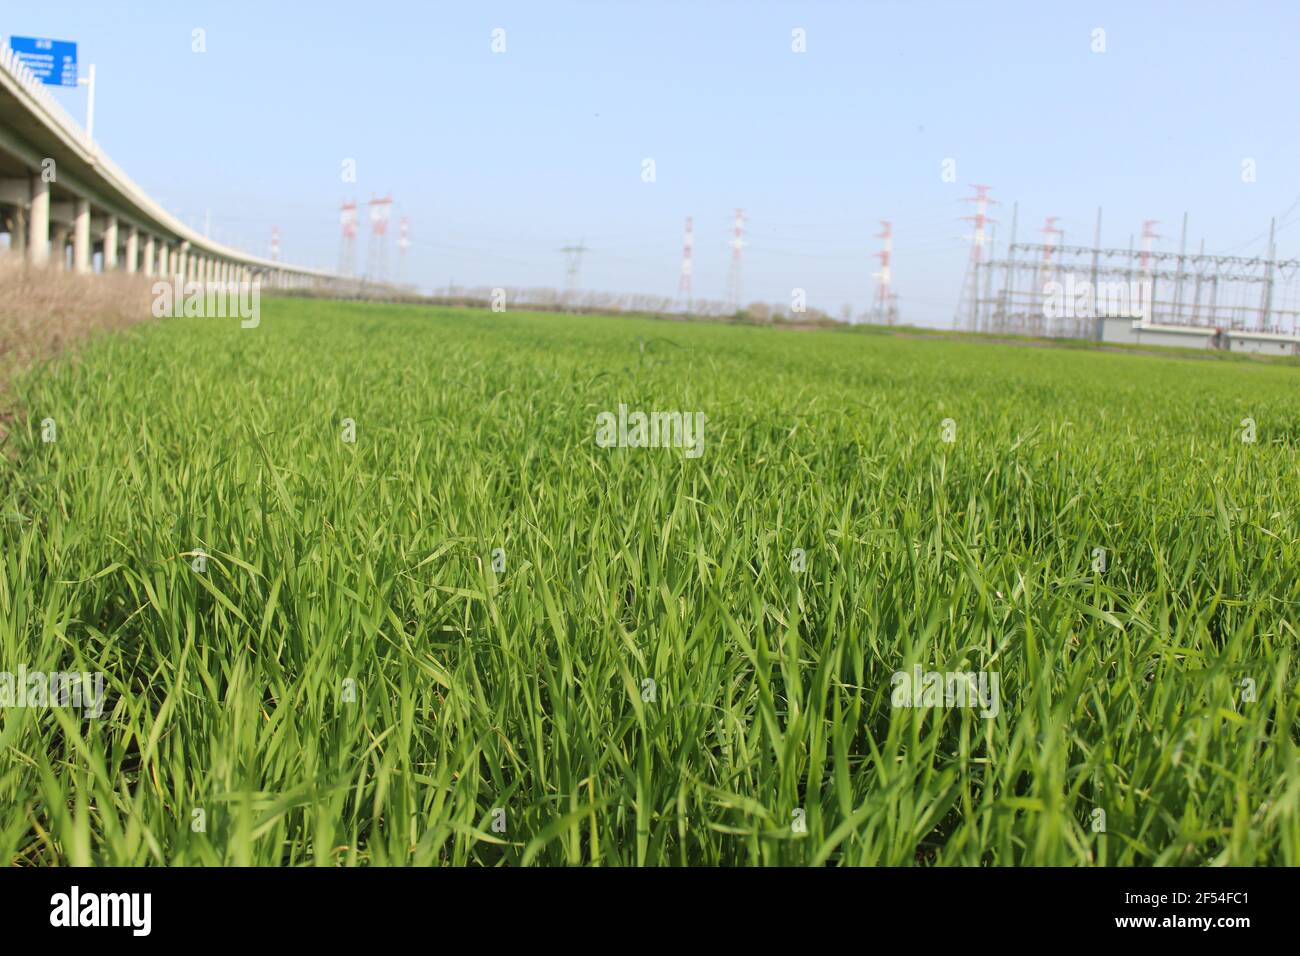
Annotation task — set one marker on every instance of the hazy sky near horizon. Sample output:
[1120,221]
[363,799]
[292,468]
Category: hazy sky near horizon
[499,159]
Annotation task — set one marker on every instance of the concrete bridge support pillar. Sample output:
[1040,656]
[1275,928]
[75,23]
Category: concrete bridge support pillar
[59,245]
[81,236]
[15,197]
[110,243]
[38,223]
[15,223]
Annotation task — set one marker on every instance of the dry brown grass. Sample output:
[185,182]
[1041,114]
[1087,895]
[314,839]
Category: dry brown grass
[42,311]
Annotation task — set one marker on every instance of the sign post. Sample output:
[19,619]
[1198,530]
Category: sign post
[89,83]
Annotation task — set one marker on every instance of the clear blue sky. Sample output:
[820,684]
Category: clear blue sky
[499,159]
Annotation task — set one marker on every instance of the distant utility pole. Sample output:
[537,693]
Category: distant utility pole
[1177,309]
[884,300]
[688,251]
[970,302]
[348,239]
[1266,310]
[573,263]
[275,243]
[1148,275]
[1096,251]
[403,244]
[377,263]
[737,260]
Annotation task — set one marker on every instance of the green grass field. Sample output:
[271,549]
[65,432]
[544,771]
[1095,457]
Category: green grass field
[350,682]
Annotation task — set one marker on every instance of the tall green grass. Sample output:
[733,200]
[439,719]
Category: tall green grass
[770,737]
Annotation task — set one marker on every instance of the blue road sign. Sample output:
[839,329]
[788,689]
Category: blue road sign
[53,62]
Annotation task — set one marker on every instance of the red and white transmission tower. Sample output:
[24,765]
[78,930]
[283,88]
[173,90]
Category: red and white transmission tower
[737,257]
[1050,233]
[381,210]
[403,244]
[1047,269]
[688,251]
[885,310]
[275,243]
[968,307]
[982,202]
[348,240]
